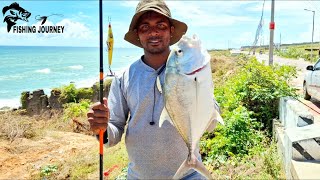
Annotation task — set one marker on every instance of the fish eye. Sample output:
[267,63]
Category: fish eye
[178,52]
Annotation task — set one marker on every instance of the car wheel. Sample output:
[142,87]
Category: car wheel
[306,96]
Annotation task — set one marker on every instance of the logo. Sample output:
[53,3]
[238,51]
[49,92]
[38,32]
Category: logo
[43,19]
[15,12]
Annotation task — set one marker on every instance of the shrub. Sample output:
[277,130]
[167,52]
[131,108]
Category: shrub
[23,99]
[249,101]
[236,138]
[74,110]
[84,93]
[258,88]
[68,93]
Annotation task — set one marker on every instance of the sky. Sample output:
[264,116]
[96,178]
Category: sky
[219,24]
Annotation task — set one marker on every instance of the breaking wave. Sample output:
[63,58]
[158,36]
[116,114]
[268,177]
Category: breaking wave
[76,67]
[44,71]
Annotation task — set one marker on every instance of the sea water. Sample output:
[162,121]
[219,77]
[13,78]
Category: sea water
[28,68]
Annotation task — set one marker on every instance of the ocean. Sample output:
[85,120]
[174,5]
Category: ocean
[28,68]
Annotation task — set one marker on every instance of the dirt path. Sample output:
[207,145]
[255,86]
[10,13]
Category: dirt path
[23,157]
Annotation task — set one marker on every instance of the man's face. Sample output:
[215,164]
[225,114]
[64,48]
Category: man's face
[154,32]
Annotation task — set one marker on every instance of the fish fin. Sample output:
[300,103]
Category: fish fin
[164,116]
[195,164]
[159,85]
[183,169]
[214,119]
[199,166]
[212,125]
[219,118]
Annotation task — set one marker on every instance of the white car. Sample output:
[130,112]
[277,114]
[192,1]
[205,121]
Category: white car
[311,84]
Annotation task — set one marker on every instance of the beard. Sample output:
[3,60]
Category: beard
[156,49]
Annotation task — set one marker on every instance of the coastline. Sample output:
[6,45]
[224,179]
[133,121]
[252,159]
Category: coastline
[14,103]
[30,68]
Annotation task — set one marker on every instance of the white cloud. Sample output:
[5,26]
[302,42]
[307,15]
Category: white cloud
[75,29]
[208,14]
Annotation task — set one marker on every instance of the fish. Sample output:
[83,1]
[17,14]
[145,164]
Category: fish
[15,12]
[189,99]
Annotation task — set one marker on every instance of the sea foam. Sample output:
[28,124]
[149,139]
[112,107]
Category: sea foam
[76,67]
[44,71]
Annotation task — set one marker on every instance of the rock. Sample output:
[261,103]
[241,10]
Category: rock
[37,102]
[106,89]
[54,101]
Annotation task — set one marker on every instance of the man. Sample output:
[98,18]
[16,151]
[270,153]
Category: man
[154,153]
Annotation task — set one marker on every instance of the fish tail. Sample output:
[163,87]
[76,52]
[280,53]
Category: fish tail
[193,163]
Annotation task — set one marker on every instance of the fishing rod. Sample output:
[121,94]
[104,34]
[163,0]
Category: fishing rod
[101,88]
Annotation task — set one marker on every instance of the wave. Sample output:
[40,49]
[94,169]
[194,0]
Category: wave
[44,71]
[76,67]
[12,103]
[86,82]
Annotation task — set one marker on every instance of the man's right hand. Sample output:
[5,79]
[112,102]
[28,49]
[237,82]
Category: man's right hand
[98,116]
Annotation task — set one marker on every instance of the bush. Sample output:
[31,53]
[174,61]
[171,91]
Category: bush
[68,93]
[23,99]
[235,139]
[249,101]
[84,93]
[258,88]
[298,52]
[74,110]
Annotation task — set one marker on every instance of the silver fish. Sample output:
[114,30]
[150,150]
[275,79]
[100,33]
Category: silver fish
[189,100]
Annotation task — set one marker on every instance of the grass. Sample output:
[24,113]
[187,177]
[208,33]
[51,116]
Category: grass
[13,126]
[85,165]
[264,165]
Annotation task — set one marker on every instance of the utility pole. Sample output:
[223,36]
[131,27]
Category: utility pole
[280,41]
[312,31]
[271,27]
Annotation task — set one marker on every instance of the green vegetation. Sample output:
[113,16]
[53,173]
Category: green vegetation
[297,52]
[23,99]
[47,170]
[248,97]
[75,110]
[70,94]
[258,88]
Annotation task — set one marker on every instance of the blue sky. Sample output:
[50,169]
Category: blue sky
[219,24]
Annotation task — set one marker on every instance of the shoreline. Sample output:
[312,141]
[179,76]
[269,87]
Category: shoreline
[14,103]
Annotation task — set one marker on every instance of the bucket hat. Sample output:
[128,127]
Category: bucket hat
[158,6]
